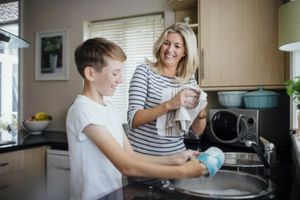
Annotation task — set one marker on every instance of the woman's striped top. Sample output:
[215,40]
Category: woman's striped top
[145,91]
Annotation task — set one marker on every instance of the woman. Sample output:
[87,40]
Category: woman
[176,62]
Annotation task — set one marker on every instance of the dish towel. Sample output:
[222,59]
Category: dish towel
[177,122]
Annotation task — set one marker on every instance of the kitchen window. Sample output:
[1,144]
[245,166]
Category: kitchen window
[295,71]
[9,66]
[136,36]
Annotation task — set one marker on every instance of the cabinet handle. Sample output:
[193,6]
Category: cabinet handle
[3,164]
[3,187]
[202,64]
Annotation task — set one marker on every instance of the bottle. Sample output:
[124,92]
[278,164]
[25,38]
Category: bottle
[187,19]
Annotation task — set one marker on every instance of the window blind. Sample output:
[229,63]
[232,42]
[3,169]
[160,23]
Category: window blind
[136,36]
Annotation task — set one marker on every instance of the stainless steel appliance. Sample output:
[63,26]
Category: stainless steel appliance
[225,125]
[58,174]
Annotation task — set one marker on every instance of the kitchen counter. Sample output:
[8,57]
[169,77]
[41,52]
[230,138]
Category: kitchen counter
[24,140]
[138,191]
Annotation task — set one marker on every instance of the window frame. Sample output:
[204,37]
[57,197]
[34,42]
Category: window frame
[14,119]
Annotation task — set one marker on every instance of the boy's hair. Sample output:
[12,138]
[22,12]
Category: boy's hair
[94,53]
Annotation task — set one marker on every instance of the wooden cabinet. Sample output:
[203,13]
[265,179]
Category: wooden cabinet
[186,9]
[22,174]
[11,172]
[238,44]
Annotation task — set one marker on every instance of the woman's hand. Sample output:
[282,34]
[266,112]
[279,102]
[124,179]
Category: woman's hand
[183,157]
[187,98]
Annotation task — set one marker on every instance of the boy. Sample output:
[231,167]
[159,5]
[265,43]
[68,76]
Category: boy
[99,149]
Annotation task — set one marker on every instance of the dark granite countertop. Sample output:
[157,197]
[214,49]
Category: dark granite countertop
[24,140]
[138,191]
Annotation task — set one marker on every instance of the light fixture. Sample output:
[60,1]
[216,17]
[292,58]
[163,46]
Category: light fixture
[289,26]
[9,40]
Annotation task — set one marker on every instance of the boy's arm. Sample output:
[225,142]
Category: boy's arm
[131,165]
[175,159]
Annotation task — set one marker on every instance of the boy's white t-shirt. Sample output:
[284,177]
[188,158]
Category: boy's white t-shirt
[92,174]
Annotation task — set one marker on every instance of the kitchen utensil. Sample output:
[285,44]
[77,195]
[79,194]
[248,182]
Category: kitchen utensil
[231,98]
[261,99]
[225,185]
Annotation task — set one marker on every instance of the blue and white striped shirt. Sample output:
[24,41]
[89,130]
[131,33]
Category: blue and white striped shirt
[145,92]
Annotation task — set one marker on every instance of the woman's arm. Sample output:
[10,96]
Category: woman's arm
[199,123]
[130,165]
[144,116]
[137,115]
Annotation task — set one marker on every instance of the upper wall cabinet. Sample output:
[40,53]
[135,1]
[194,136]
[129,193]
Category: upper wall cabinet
[186,11]
[238,44]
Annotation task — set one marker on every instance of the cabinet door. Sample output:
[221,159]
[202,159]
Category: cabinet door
[11,184]
[11,162]
[238,44]
[11,174]
[35,177]
[22,174]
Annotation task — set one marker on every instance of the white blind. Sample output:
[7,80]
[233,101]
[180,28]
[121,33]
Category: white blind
[136,36]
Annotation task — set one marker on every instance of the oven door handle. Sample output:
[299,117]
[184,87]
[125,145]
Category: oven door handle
[240,137]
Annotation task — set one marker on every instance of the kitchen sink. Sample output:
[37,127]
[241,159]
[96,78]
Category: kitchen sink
[226,184]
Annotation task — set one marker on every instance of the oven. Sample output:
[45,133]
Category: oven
[233,126]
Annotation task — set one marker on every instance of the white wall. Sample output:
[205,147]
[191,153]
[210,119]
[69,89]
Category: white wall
[55,97]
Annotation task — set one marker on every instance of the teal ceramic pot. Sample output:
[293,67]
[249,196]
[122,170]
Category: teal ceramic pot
[261,99]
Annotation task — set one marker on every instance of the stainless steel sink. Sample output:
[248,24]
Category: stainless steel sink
[226,184]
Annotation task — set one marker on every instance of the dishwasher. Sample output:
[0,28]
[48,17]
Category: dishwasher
[58,174]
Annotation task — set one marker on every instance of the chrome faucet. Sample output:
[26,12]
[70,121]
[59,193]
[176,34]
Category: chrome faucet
[268,158]
[270,151]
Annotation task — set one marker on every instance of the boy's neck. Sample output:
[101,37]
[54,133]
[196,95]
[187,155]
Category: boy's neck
[93,95]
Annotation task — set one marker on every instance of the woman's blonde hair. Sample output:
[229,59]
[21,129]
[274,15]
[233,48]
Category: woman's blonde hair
[189,63]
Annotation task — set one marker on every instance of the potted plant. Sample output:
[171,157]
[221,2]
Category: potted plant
[293,90]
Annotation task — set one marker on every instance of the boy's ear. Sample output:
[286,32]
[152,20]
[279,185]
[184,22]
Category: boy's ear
[89,73]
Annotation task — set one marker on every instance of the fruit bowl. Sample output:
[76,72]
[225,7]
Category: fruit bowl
[35,127]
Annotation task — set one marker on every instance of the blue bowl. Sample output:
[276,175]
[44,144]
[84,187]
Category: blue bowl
[231,99]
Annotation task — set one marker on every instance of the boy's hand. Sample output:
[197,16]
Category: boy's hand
[183,157]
